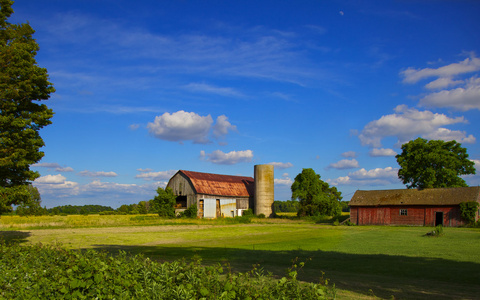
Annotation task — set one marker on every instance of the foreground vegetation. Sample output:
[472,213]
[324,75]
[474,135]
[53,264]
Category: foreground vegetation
[49,272]
[362,261]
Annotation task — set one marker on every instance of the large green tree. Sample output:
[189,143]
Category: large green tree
[23,84]
[165,202]
[316,197]
[433,164]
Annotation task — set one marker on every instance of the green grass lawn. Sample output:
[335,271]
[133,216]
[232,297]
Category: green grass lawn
[361,260]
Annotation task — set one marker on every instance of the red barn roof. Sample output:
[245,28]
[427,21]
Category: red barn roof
[222,185]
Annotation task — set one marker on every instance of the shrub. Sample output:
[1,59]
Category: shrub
[261,216]
[191,211]
[468,211]
[247,212]
[51,272]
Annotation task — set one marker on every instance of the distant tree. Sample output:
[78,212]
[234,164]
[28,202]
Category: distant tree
[22,84]
[316,196]
[32,206]
[165,202]
[142,207]
[286,206]
[433,164]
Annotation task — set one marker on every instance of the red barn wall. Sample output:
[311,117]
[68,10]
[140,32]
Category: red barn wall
[416,215]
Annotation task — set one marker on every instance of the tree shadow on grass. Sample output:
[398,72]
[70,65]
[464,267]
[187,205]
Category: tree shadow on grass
[381,275]
[14,236]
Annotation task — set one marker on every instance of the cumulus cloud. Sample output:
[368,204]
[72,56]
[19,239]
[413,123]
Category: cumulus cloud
[157,176]
[284,181]
[87,173]
[450,135]
[349,154]
[461,98]
[382,152]
[344,164]
[56,186]
[376,176]
[230,158]
[281,165]
[181,126]
[55,166]
[188,126]
[222,127]
[405,124]
[51,179]
[441,83]
[470,64]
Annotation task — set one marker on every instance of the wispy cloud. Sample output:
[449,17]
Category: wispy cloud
[87,173]
[54,166]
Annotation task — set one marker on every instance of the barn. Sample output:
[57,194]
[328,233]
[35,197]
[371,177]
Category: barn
[428,207]
[219,195]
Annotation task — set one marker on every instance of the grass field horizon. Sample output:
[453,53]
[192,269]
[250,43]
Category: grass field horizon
[361,260]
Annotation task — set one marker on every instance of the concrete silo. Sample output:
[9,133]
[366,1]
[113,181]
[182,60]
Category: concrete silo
[264,196]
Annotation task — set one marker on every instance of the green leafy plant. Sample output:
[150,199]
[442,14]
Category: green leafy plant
[52,272]
[468,211]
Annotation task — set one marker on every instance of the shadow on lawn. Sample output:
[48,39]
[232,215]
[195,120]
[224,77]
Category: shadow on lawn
[382,275]
[14,236]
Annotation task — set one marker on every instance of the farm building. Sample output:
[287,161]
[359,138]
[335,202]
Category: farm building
[428,207]
[224,195]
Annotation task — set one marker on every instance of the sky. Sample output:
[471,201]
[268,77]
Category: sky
[146,88]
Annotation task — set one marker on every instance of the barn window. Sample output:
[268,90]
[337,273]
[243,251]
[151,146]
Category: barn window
[403,212]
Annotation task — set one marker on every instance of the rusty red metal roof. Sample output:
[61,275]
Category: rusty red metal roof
[437,196]
[222,185]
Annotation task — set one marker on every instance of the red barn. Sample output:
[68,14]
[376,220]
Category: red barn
[428,207]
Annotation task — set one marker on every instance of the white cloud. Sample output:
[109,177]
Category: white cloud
[97,174]
[181,126]
[461,98]
[54,166]
[284,181]
[222,127]
[477,164]
[157,176]
[349,154]
[344,164]
[51,179]
[205,88]
[376,176]
[450,135]
[470,64]
[443,82]
[382,152]
[281,165]
[56,186]
[230,158]
[405,124]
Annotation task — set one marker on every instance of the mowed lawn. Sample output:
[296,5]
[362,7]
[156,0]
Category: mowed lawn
[362,261]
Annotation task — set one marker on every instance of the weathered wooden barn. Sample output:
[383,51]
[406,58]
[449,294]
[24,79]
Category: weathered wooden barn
[428,207]
[215,195]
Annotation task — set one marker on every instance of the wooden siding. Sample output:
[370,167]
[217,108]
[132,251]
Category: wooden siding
[416,215]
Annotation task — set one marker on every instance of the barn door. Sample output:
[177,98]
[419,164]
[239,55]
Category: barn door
[438,218]
[210,208]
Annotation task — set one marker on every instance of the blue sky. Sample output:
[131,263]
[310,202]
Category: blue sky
[147,88]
